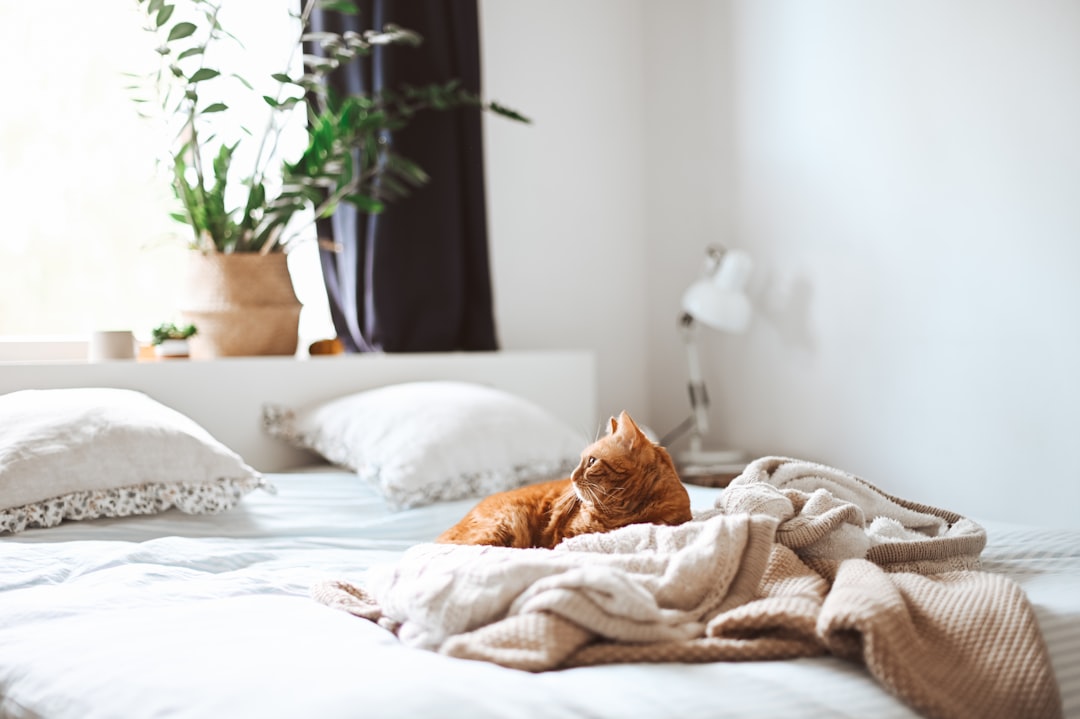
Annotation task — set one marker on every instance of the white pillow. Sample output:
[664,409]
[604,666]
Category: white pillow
[101,452]
[422,442]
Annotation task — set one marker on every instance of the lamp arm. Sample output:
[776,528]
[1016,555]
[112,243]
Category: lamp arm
[717,300]
[699,396]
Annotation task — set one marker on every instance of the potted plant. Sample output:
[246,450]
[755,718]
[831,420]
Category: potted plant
[243,219]
[170,341]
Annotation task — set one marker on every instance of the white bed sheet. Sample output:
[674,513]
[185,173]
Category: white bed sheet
[209,616]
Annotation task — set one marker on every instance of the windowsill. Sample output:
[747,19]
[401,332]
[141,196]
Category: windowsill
[44,349]
[49,350]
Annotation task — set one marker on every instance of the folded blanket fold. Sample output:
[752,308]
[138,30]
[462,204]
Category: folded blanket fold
[796,559]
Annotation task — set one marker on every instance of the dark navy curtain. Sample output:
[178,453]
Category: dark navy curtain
[416,278]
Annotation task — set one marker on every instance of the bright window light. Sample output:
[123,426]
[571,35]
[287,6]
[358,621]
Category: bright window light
[86,242]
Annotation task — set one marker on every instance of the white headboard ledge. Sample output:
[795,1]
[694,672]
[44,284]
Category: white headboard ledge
[226,396]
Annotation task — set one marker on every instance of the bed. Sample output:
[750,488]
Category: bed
[181,614]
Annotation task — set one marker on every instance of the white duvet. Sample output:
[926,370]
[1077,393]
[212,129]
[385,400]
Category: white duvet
[210,616]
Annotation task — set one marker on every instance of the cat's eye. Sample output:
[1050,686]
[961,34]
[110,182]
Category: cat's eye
[590,461]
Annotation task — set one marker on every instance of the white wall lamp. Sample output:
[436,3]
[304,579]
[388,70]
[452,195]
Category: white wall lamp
[717,300]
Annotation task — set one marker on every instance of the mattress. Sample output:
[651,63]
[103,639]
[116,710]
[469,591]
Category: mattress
[211,616]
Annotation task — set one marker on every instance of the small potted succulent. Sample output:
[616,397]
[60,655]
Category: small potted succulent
[171,341]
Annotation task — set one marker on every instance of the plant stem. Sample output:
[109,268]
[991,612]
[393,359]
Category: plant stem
[196,154]
[259,172]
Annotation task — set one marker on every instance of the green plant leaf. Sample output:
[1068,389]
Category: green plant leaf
[164,14]
[169,331]
[406,169]
[191,51]
[365,203]
[391,188]
[216,107]
[181,30]
[204,73]
[345,7]
[507,112]
[282,77]
[256,200]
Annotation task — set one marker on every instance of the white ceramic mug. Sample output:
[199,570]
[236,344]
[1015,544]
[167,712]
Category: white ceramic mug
[107,345]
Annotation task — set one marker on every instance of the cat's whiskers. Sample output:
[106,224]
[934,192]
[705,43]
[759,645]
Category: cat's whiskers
[584,491]
[607,491]
[594,492]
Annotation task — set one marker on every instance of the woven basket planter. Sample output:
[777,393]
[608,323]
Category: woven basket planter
[241,304]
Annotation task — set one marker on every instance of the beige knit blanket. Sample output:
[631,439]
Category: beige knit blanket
[797,559]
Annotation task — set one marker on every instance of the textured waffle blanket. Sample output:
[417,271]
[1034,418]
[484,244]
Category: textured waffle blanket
[796,559]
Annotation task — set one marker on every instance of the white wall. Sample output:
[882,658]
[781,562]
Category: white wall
[566,220]
[689,185]
[906,174]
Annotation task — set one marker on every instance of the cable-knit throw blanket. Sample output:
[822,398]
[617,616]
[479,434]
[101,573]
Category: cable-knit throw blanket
[797,559]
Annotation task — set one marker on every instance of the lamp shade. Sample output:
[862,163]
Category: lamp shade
[718,300]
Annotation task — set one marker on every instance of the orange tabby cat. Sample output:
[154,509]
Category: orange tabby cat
[622,479]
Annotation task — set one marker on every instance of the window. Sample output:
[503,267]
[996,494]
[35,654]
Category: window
[86,240]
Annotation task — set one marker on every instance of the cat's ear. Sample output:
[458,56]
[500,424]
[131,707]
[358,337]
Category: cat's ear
[626,422]
[614,427]
[629,429]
